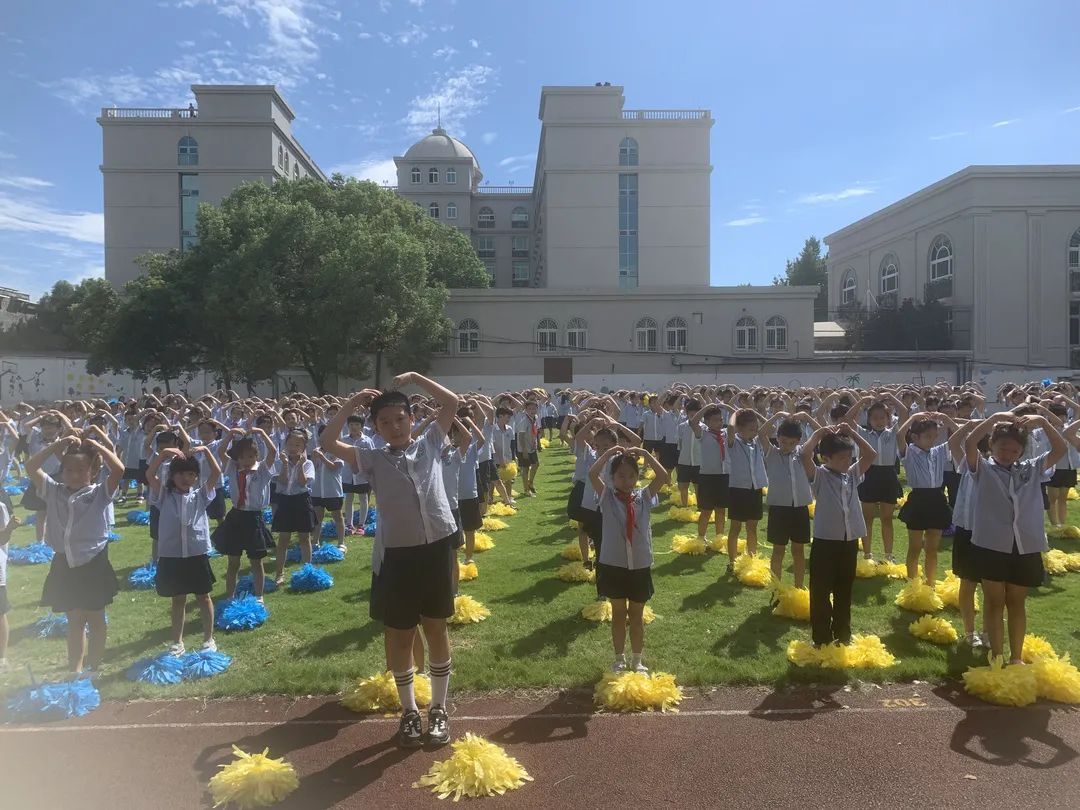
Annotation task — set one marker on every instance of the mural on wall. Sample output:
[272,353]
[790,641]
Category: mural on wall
[14,386]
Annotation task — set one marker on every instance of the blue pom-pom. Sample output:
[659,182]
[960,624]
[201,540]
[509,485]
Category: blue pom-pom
[268,515]
[243,585]
[113,537]
[30,520]
[54,701]
[32,554]
[246,613]
[327,553]
[14,489]
[51,625]
[310,578]
[144,577]
[198,665]
[293,554]
[138,517]
[161,670]
[24,483]
[1048,381]
[329,530]
[213,552]
[370,523]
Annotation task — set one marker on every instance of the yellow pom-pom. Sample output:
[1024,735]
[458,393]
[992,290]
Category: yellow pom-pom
[571,552]
[792,602]
[684,514]
[501,510]
[933,628]
[752,570]
[1071,533]
[1056,561]
[1036,647]
[865,569]
[253,780]
[1005,686]
[477,768]
[1072,561]
[649,474]
[765,491]
[685,544]
[949,591]
[894,570]
[719,545]
[493,524]
[545,443]
[901,502]
[379,693]
[600,611]
[666,489]
[919,597]
[1057,679]
[483,542]
[467,572]
[1073,494]
[864,652]
[638,692]
[468,611]
[575,572]
[508,472]
[810,508]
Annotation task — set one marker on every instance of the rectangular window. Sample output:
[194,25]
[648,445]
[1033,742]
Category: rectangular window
[490,267]
[520,247]
[519,218]
[521,274]
[1074,324]
[628,230]
[189,211]
[451,211]
[433,175]
[546,341]
[451,176]
[485,247]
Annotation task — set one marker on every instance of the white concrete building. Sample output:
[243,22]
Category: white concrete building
[998,245]
[15,306]
[159,164]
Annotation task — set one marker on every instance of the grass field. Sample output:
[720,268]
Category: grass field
[709,630]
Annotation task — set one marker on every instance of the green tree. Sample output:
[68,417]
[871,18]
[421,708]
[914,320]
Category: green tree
[70,317]
[809,270]
[909,327]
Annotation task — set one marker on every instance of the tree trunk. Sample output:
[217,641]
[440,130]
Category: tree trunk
[318,378]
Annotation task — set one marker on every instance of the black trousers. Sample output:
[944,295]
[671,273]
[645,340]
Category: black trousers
[832,574]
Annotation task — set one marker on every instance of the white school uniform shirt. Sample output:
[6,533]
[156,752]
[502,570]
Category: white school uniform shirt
[788,483]
[964,511]
[487,451]
[451,469]
[129,446]
[257,486]
[5,518]
[837,511]
[76,525]
[1037,445]
[615,549]
[925,468]
[669,427]
[654,426]
[584,458]
[500,441]
[884,442]
[714,452]
[547,411]
[1010,506]
[746,462]
[298,477]
[328,479]
[467,488]
[183,528]
[689,445]
[357,476]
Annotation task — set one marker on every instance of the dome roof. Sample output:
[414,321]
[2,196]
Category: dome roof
[439,146]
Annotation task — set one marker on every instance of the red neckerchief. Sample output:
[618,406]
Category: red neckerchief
[532,424]
[241,486]
[720,440]
[628,499]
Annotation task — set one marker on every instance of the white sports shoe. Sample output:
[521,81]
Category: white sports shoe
[208,646]
[177,649]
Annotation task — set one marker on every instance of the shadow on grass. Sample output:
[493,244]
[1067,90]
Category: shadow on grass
[721,591]
[555,636]
[678,564]
[350,639]
[871,591]
[558,721]
[543,590]
[758,629]
[1050,586]
[547,565]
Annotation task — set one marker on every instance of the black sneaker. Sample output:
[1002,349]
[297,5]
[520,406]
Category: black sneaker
[411,730]
[438,726]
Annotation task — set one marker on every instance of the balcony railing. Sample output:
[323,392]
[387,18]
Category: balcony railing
[938,289]
[149,112]
[665,115]
[1074,279]
[504,189]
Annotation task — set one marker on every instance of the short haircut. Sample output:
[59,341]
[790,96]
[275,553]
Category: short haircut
[878,405]
[745,416]
[831,444]
[920,426]
[607,433]
[502,410]
[182,465]
[1057,409]
[355,420]
[389,399]
[693,405]
[621,459]
[242,447]
[838,412]
[789,429]
[87,451]
[1009,430]
[168,438]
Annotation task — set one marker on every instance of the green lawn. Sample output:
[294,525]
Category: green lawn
[709,631]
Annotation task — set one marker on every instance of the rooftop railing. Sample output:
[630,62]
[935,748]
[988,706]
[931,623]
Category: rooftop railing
[665,115]
[148,112]
[504,189]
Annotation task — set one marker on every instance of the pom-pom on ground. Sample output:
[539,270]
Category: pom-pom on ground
[54,701]
[501,510]
[792,602]
[933,628]
[468,611]
[467,572]
[144,577]
[292,553]
[253,780]
[571,552]
[242,613]
[1036,647]
[600,611]
[752,570]
[638,692]
[684,514]
[864,652]
[575,572]
[687,544]
[949,591]
[310,578]
[1005,686]
[719,545]
[329,529]
[379,693]
[493,524]
[1072,561]
[161,670]
[204,664]
[477,768]
[138,517]
[894,570]
[508,472]
[1056,562]
[244,585]
[51,625]
[865,569]
[1057,679]
[30,554]
[483,542]
[919,597]
[327,553]
[1070,533]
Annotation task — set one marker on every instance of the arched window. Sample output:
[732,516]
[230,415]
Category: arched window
[519,218]
[433,210]
[187,151]
[286,164]
[941,256]
[890,275]
[675,335]
[280,157]
[433,175]
[1074,262]
[468,337]
[485,218]
[296,171]
[847,288]
[547,336]
[451,176]
[776,334]
[645,335]
[451,211]
[628,152]
[577,335]
[746,334]
[415,174]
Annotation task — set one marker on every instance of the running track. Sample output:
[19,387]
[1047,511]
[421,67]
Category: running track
[897,746]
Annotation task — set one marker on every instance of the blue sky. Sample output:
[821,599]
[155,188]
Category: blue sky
[824,111]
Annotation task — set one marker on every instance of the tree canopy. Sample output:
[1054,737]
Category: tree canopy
[809,270]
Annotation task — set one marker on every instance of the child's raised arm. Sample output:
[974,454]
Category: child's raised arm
[867,453]
[806,453]
[152,479]
[660,475]
[211,482]
[766,428]
[1058,445]
[330,440]
[271,448]
[447,399]
[971,443]
[33,464]
[597,469]
[115,465]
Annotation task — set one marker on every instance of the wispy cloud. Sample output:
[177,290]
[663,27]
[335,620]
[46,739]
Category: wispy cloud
[948,135]
[20,215]
[1005,123]
[411,34]
[835,196]
[743,222]
[1071,110]
[474,43]
[380,170]
[488,138]
[445,52]
[25,183]
[513,159]
[459,94]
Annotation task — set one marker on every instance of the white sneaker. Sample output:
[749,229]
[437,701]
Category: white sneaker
[177,649]
[511,502]
[641,668]
[619,665]
[208,646]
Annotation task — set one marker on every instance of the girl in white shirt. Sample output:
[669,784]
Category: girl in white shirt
[295,512]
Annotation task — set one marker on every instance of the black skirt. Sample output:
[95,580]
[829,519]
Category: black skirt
[91,586]
[613,582]
[573,503]
[180,576]
[243,532]
[963,555]
[881,485]
[688,473]
[713,491]
[1063,479]
[1025,570]
[294,513]
[926,509]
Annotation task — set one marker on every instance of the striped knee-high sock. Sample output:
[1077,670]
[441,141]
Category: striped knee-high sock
[406,694]
[440,682]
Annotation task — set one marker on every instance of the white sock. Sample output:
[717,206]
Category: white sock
[406,693]
[440,682]
[635,660]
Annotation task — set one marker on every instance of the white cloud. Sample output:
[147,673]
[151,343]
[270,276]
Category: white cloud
[756,219]
[417,3]
[25,183]
[186,43]
[488,138]
[444,53]
[514,159]
[459,94]
[835,196]
[1071,109]
[380,170]
[948,135]
[473,43]
[32,217]
[363,35]
[1004,123]
[411,34]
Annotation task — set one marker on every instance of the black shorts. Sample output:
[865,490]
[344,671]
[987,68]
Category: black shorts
[91,586]
[155,522]
[331,504]
[180,576]
[963,555]
[414,582]
[653,446]
[574,508]
[1063,479]
[1016,569]
[613,582]
[134,474]
[688,473]
[5,605]
[243,532]
[273,493]
[294,513]
[528,460]
[471,520]
[549,423]
[788,523]
[669,456]
[926,509]
[713,491]
[459,536]
[483,481]
[746,504]
[593,524]
[1045,496]
[31,501]
[356,489]
[216,508]
[881,485]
